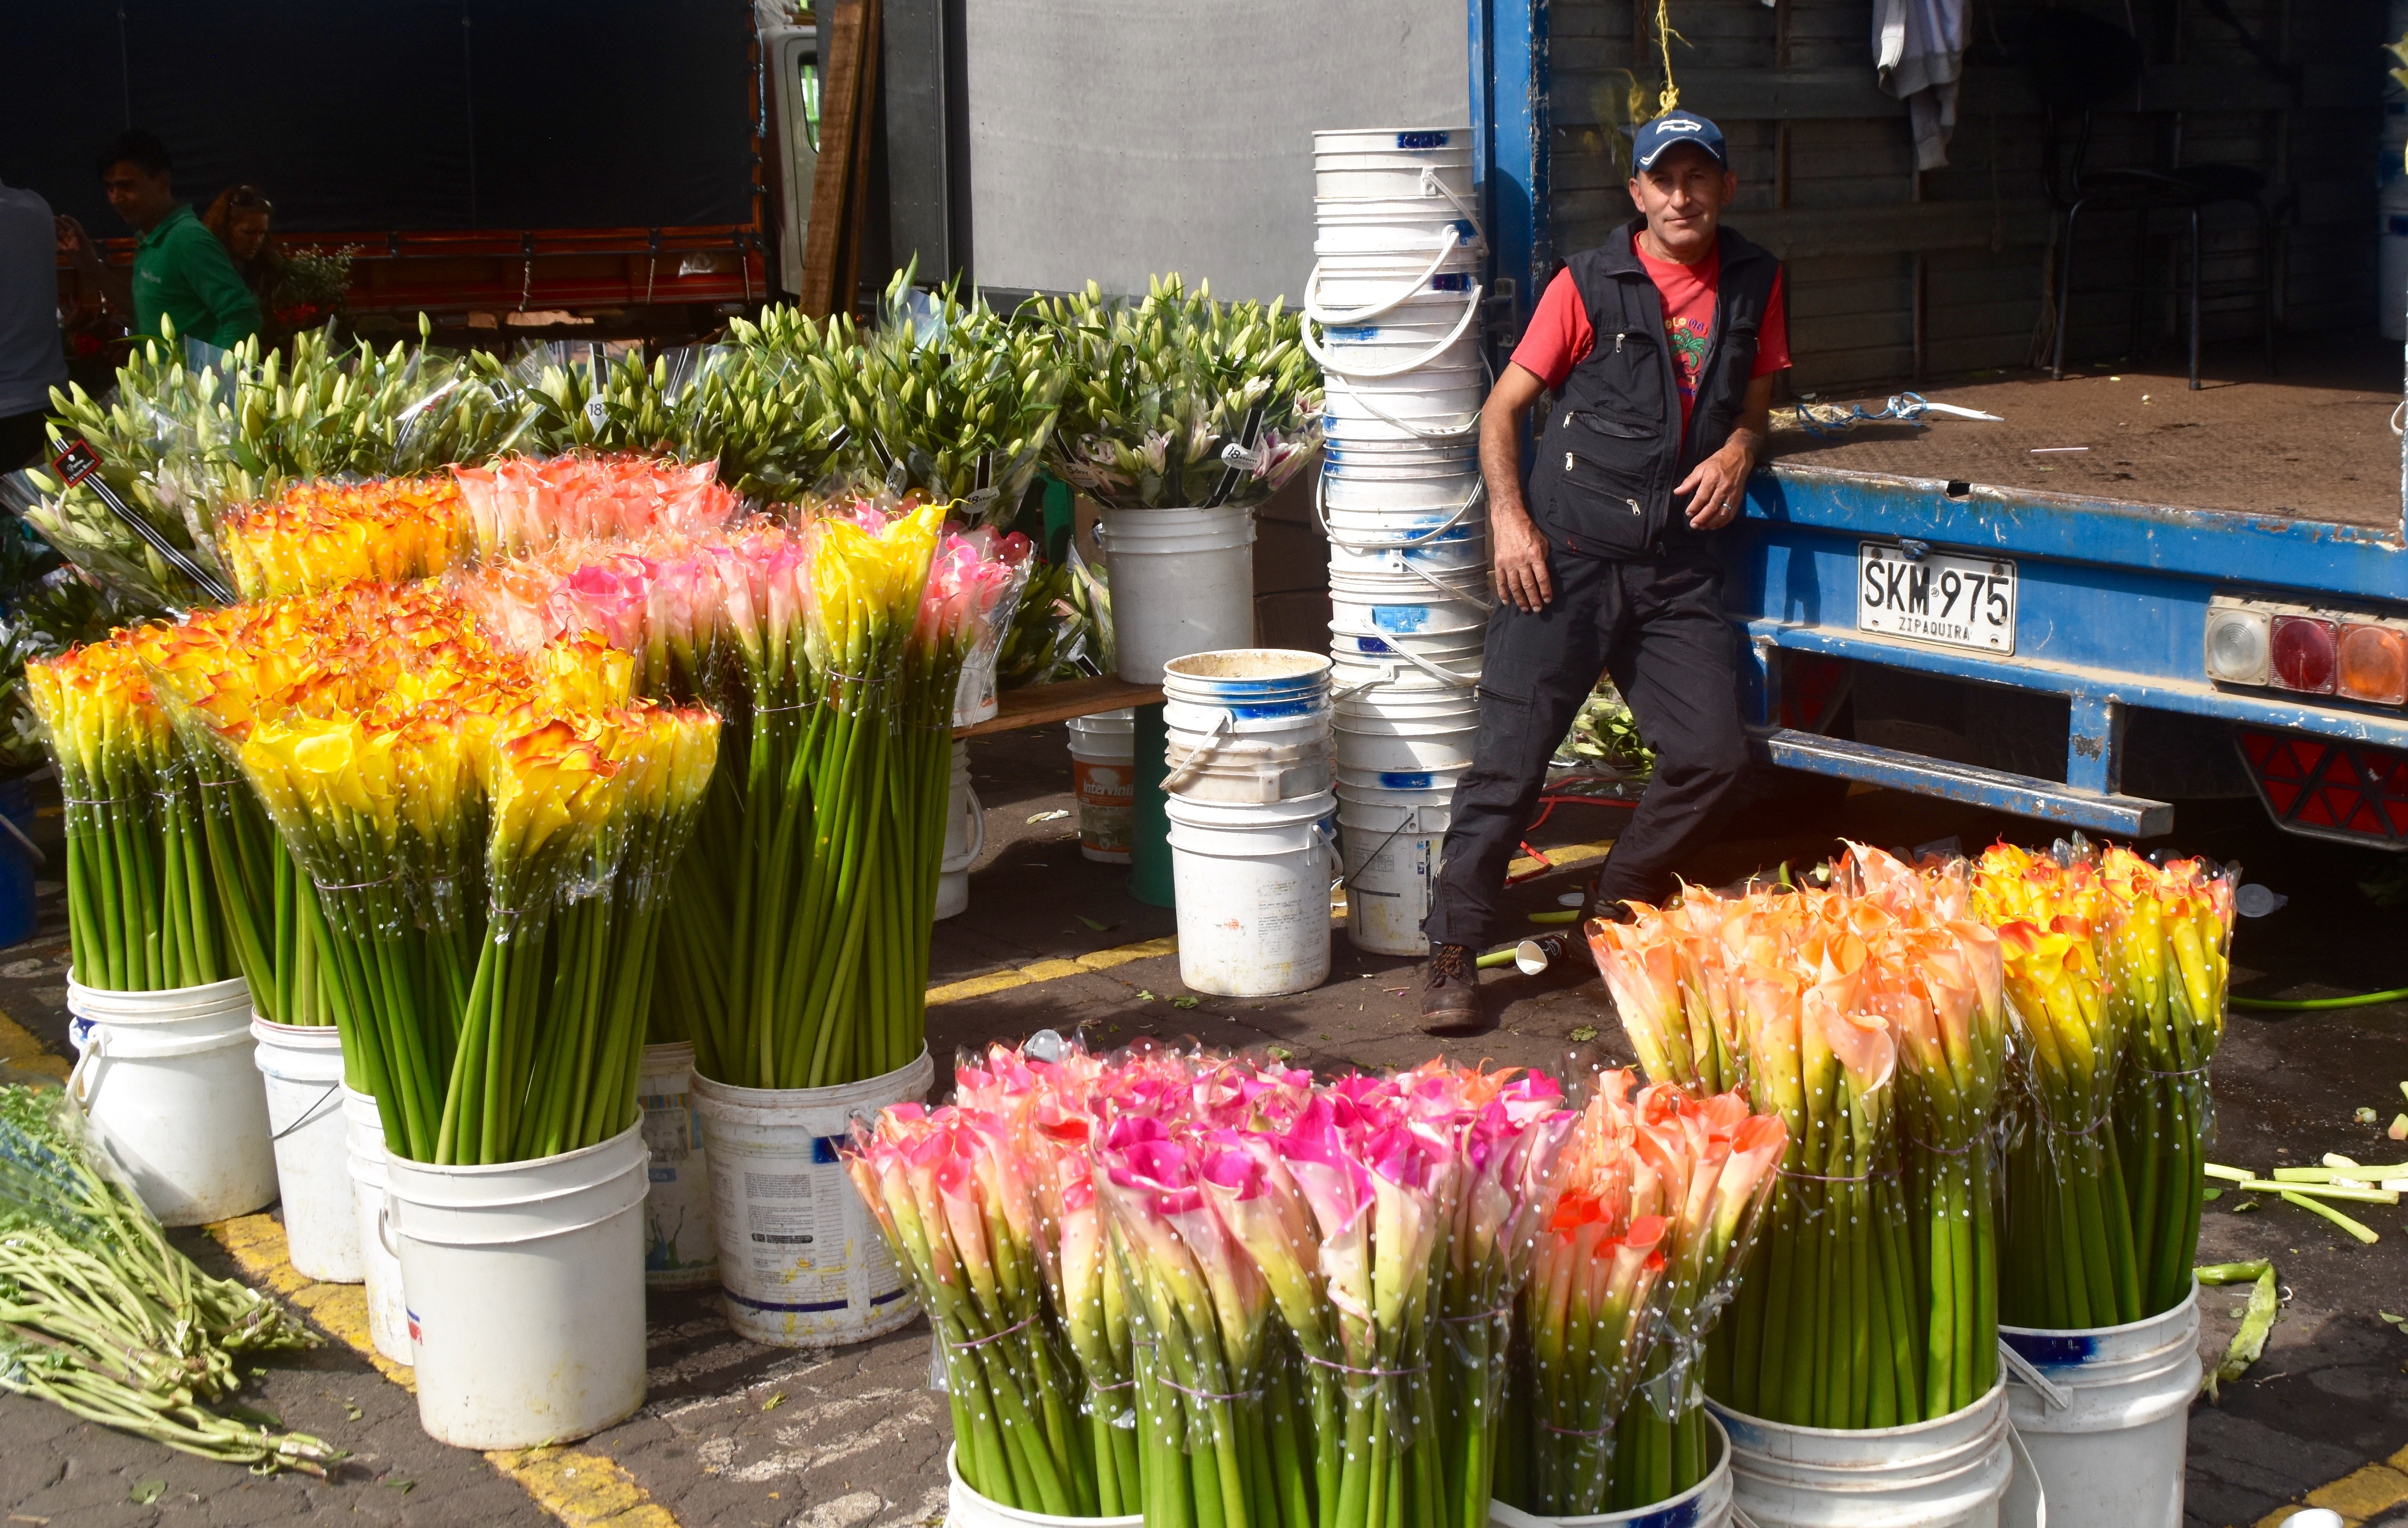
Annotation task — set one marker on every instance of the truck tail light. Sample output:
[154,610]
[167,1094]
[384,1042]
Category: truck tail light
[2370,663]
[2239,646]
[2303,650]
[2329,790]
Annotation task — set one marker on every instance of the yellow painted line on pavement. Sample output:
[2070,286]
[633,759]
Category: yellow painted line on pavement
[1024,975]
[20,1050]
[582,1490]
[2362,1495]
[256,1244]
[1561,859]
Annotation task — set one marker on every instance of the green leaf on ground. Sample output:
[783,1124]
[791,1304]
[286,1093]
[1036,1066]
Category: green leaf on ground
[1583,1035]
[146,1492]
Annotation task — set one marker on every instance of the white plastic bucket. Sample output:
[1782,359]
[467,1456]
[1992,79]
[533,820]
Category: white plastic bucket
[965,1508]
[1705,1504]
[800,1259]
[1392,839]
[1408,748]
[303,1069]
[168,1082]
[1467,552]
[1182,582]
[1389,225]
[1408,162]
[2113,1455]
[1103,776]
[1413,603]
[526,1291]
[1253,888]
[1948,1473]
[1249,725]
[380,1270]
[965,838]
[680,1251]
[1375,668]
[1435,386]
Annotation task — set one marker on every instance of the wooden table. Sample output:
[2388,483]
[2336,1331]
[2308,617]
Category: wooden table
[1042,702]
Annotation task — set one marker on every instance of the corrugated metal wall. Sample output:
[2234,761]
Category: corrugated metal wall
[1894,276]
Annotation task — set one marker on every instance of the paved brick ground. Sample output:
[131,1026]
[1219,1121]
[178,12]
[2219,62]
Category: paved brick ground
[737,1434]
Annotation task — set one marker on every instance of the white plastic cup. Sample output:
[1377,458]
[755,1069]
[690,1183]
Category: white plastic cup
[2114,1456]
[801,1259]
[379,1269]
[170,1085]
[1946,1472]
[1253,888]
[1182,582]
[680,1251]
[1103,776]
[303,1068]
[526,1291]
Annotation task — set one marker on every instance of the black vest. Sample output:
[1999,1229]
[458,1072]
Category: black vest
[1613,447]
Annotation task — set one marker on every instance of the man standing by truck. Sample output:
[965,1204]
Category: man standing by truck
[181,270]
[1659,346]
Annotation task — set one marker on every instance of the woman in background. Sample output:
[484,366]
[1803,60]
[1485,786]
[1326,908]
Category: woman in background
[240,218]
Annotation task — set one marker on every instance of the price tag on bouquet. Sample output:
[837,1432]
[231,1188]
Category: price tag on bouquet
[78,465]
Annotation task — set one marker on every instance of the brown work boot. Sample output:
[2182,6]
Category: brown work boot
[1451,1001]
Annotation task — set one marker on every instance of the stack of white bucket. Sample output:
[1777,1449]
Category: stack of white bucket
[1393,313]
[1251,819]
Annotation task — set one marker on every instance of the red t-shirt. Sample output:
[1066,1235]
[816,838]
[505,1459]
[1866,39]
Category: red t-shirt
[1559,335]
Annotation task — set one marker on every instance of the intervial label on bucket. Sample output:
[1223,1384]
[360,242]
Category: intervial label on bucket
[671,1133]
[678,1238]
[1106,793]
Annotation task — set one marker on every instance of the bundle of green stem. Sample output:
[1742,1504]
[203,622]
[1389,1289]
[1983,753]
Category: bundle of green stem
[1869,1018]
[2117,973]
[1657,1202]
[956,1192]
[448,798]
[143,900]
[98,1314]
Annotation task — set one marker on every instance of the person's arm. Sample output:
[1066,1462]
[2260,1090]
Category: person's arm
[1719,484]
[1518,553]
[234,312]
[116,287]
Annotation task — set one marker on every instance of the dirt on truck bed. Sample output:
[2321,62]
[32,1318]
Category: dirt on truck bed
[2313,442]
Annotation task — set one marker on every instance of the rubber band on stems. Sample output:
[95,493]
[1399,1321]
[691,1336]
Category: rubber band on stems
[992,1337]
[1820,1178]
[1481,1315]
[2200,1070]
[1209,1395]
[356,885]
[1369,1374]
[1599,1433]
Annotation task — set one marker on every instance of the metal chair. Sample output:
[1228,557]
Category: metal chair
[2079,65]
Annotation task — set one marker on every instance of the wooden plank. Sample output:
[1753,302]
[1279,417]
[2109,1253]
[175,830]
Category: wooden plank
[1041,704]
[847,288]
[843,56]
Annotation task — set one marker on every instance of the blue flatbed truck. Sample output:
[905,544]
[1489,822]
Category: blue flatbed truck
[2084,658]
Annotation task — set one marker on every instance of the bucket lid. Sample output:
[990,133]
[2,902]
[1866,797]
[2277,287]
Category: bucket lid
[1241,666]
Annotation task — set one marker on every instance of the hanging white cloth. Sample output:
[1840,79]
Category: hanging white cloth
[1919,49]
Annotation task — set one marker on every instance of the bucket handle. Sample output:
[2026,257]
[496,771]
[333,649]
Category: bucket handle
[1453,681]
[311,1115]
[1470,426]
[32,851]
[1413,821]
[2040,1481]
[976,812]
[1321,518]
[1433,186]
[2056,1396]
[82,1084]
[384,1228]
[1227,720]
[1332,364]
[1313,311]
[1454,596]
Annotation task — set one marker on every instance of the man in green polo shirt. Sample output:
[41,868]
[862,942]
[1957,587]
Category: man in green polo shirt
[181,270]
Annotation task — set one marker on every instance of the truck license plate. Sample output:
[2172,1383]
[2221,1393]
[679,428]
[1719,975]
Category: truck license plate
[1952,602]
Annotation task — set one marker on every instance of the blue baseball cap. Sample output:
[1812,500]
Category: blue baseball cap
[1675,127]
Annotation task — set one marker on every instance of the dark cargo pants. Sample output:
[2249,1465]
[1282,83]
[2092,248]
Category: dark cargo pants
[1658,628]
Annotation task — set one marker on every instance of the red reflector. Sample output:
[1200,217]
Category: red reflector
[2303,655]
[2349,791]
